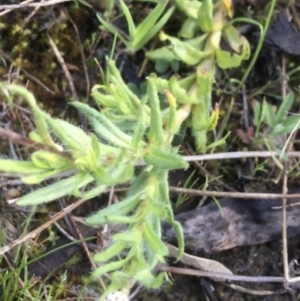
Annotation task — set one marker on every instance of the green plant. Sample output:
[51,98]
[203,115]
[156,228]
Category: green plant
[189,183]
[276,119]
[140,35]
[17,287]
[97,164]
[130,130]
[272,124]
[210,18]
[203,51]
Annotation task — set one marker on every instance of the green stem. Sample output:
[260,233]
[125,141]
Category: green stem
[260,42]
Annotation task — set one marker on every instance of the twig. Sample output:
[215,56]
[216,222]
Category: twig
[238,155]
[19,139]
[35,232]
[284,229]
[34,4]
[87,252]
[202,168]
[284,187]
[240,195]
[10,9]
[31,15]
[64,67]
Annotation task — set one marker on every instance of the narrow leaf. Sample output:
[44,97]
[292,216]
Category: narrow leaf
[156,128]
[112,266]
[38,178]
[165,160]
[110,252]
[205,16]
[19,167]
[121,208]
[54,191]
[285,107]
[148,29]
[112,29]
[94,114]
[154,243]
[131,26]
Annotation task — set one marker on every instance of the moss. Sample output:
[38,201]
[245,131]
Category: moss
[26,45]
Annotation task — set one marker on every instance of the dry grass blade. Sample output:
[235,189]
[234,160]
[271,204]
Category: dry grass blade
[200,263]
[35,232]
[222,276]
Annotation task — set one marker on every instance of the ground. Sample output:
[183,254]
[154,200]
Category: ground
[30,40]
